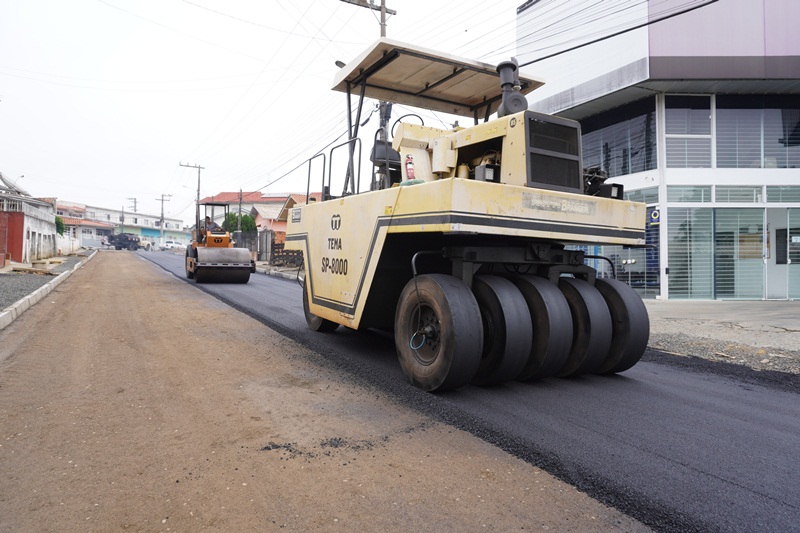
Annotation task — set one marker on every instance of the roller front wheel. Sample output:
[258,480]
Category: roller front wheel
[438,332]
[315,322]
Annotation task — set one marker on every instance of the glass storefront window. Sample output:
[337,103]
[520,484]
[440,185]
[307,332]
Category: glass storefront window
[689,194]
[739,194]
[793,252]
[688,115]
[691,253]
[716,253]
[783,194]
[688,129]
[757,131]
[738,253]
[688,153]
[645,196]
[621,141]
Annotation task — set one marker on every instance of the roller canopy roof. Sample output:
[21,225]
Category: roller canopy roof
[406,74]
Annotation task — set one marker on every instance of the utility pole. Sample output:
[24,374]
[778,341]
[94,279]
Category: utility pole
[197,204]
[384,108]
[161,224]
[134,204]
[239,223]
[370,5]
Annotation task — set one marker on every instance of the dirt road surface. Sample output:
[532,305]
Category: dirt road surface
[131,401]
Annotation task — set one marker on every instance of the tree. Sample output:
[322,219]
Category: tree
[231,223]
[59,226]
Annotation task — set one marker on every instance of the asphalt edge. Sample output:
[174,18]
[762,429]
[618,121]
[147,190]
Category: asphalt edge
[15,310]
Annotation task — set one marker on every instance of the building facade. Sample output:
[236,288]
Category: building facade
[92,225]
[27,225]
[698,116]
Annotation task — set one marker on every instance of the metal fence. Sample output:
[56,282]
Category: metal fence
[246,239]
[281,257]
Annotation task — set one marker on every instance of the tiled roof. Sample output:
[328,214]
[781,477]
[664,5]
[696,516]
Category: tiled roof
[301,198]
[297,199]
[268,211]
[255,197]
[71,221]
[70,208]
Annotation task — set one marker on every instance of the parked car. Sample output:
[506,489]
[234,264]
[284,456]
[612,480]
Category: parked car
[173,245]
[124,241]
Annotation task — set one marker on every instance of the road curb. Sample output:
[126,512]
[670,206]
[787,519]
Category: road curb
[13,311]
[291,275]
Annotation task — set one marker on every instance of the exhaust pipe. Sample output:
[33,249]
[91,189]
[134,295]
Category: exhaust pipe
[513,101]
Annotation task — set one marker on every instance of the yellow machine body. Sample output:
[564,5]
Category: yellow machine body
[342,239]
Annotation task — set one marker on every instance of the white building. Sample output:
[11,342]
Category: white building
[91,224]
[698,116]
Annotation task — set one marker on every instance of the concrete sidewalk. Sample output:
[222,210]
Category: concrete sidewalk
[768,324]
[51,272]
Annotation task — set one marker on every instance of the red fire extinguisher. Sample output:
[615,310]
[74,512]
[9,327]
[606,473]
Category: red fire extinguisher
[409,167]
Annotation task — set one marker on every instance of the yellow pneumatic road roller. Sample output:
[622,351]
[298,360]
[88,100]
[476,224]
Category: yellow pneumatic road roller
[468,243]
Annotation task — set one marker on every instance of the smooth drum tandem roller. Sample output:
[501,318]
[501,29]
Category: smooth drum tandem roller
[212,258]
[476,259]
[220,265]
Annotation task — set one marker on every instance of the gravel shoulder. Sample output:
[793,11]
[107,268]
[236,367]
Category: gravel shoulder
[129,401]
[758,335]
[17,285]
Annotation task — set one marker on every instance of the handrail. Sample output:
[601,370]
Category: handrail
[351,142]
[308,182]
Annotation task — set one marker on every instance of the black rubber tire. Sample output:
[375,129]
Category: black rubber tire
[630,326]
[552,327]
[507,330]
[189,273]
[591,323]
[448,357]
[316,323]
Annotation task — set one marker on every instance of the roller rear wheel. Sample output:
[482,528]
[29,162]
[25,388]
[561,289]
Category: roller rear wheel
[591,322]
[315,322]
[507,330]
[630,326]
[438,332]
[552,327]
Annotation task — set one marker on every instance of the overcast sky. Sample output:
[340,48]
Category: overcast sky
[100,100]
